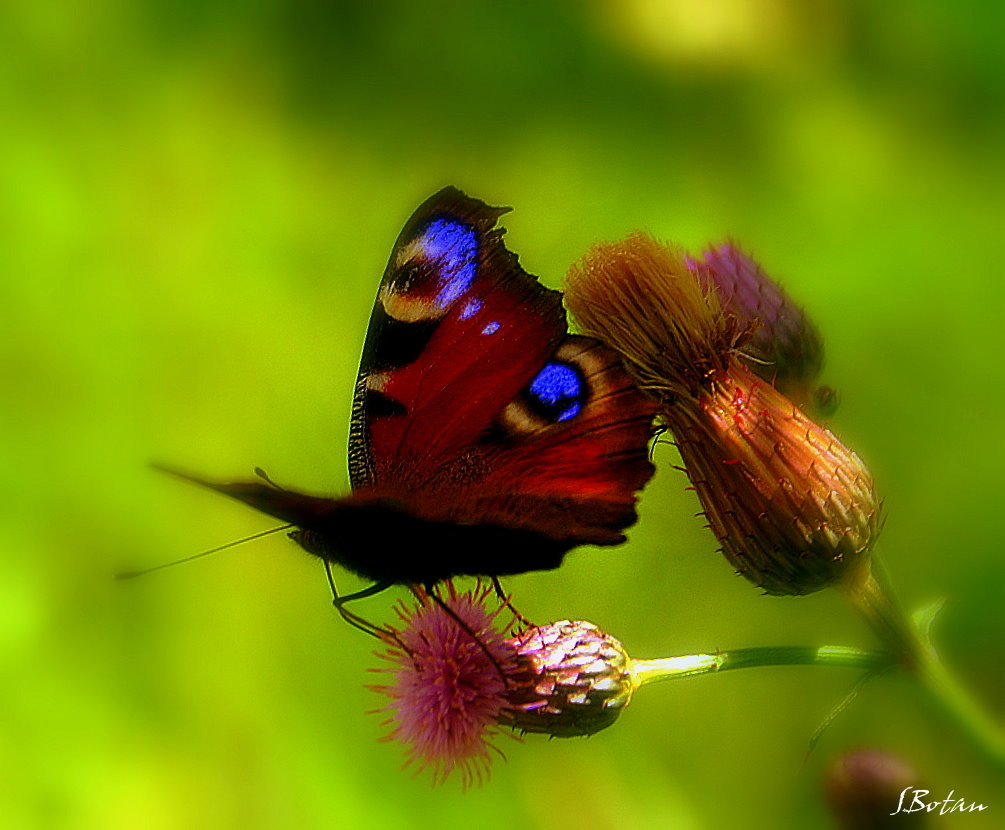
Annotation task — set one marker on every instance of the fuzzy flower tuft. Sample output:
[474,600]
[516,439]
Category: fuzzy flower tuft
[641,298]
[446,692]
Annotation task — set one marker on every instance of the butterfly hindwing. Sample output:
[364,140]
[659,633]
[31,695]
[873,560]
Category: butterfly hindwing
[544,484]
[579,445]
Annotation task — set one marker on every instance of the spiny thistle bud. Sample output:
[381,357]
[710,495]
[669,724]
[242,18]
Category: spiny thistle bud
[791,506]
[783,347]
[573,679]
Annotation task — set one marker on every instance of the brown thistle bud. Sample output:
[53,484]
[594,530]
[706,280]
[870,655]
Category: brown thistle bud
[783,346]
[792,507]
[572,679]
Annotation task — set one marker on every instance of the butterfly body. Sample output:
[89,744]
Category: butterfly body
[485,439]
[393,540]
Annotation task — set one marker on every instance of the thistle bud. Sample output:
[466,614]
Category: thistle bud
[791,506]
[783,346]
[572,679]
[865,789]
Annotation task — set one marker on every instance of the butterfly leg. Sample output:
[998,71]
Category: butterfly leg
[355,620]
[505,600]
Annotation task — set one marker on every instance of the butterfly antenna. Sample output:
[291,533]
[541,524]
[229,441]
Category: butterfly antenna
[133,574]
[264,476]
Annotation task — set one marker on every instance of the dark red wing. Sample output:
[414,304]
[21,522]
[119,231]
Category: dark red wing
[458,329]
[573,479]
[474,406]
[586,468]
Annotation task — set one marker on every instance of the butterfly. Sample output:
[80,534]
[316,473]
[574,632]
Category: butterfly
[484,439]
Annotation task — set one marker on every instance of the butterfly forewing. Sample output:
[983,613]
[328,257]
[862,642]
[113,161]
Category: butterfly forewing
[458,329]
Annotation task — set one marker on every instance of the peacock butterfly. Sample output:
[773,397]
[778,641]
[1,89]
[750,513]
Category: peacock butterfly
[485,439]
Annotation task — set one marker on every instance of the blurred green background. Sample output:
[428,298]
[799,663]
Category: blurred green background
[198,200]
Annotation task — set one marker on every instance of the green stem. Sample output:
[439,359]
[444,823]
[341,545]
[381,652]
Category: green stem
[871,595]
[674,668]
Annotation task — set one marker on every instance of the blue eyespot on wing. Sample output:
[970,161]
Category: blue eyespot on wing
[452,248]
[558,391]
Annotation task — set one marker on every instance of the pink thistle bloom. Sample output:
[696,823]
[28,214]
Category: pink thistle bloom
[447,694]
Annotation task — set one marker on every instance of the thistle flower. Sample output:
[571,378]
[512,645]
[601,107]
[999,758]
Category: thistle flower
[782,346]
[452,687]
[456,685]
[449,684]
[791,506]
